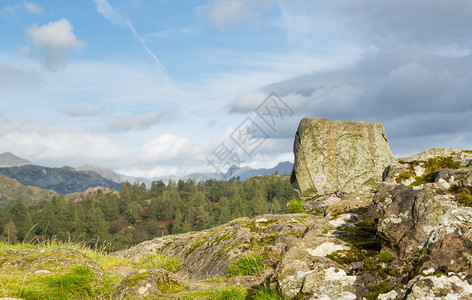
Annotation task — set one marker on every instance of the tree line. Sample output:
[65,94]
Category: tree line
[118,220]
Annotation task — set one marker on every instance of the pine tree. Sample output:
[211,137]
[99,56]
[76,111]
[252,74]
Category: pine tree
[177,224]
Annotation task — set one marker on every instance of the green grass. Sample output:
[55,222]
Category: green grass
[79,283]
[160,261]
[248,265]
[265,294]
[295,206]
[67,279]
[226,293]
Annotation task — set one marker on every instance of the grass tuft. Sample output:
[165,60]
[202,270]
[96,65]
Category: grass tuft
[249,265]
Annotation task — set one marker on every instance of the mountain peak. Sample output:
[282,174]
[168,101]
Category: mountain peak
[8,159]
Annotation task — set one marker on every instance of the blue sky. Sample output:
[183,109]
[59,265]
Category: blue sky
[152,88]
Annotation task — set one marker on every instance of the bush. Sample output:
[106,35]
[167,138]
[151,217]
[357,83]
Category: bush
[249,265]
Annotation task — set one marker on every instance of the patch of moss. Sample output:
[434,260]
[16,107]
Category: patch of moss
[363,243]
[463,194]
[252,226]
[267,223]
[225,237]
[336,213]
[440,162]
[385,257]
[169,287]
[369,263]
[354,254]
[432,167]
[404,176]
[427,178]
[199,243]
[134,279]
[386,272]
[376,290]
[267,240]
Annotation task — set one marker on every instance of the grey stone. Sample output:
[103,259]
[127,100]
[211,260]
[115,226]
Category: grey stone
[339,157]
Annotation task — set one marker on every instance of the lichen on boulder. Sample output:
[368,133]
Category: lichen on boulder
[339,156]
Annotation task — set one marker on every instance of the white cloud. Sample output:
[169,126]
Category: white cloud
[246,102]
[55,40]
[105,9]
[224,13]
[34,8]
[83,112]
[62,147]
[133,121]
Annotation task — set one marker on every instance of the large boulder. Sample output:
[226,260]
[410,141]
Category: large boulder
[339,156]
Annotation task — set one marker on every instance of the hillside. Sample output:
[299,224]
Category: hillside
[63,180]
[11,190]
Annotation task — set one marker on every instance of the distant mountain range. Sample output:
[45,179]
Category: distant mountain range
[63,180]
[246,172]
[68,180]
[8,159]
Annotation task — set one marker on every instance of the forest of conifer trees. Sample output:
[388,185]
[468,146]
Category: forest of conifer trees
[117,220]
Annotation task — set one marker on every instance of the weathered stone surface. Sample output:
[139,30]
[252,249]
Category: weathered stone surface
[152,282]
[339,156]
[428,225]
[443,287]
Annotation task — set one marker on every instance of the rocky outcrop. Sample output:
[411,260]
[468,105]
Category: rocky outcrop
[427,224]
[339,156]
[207,254]
[410,240]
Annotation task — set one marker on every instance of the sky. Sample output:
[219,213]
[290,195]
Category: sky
[164,87]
